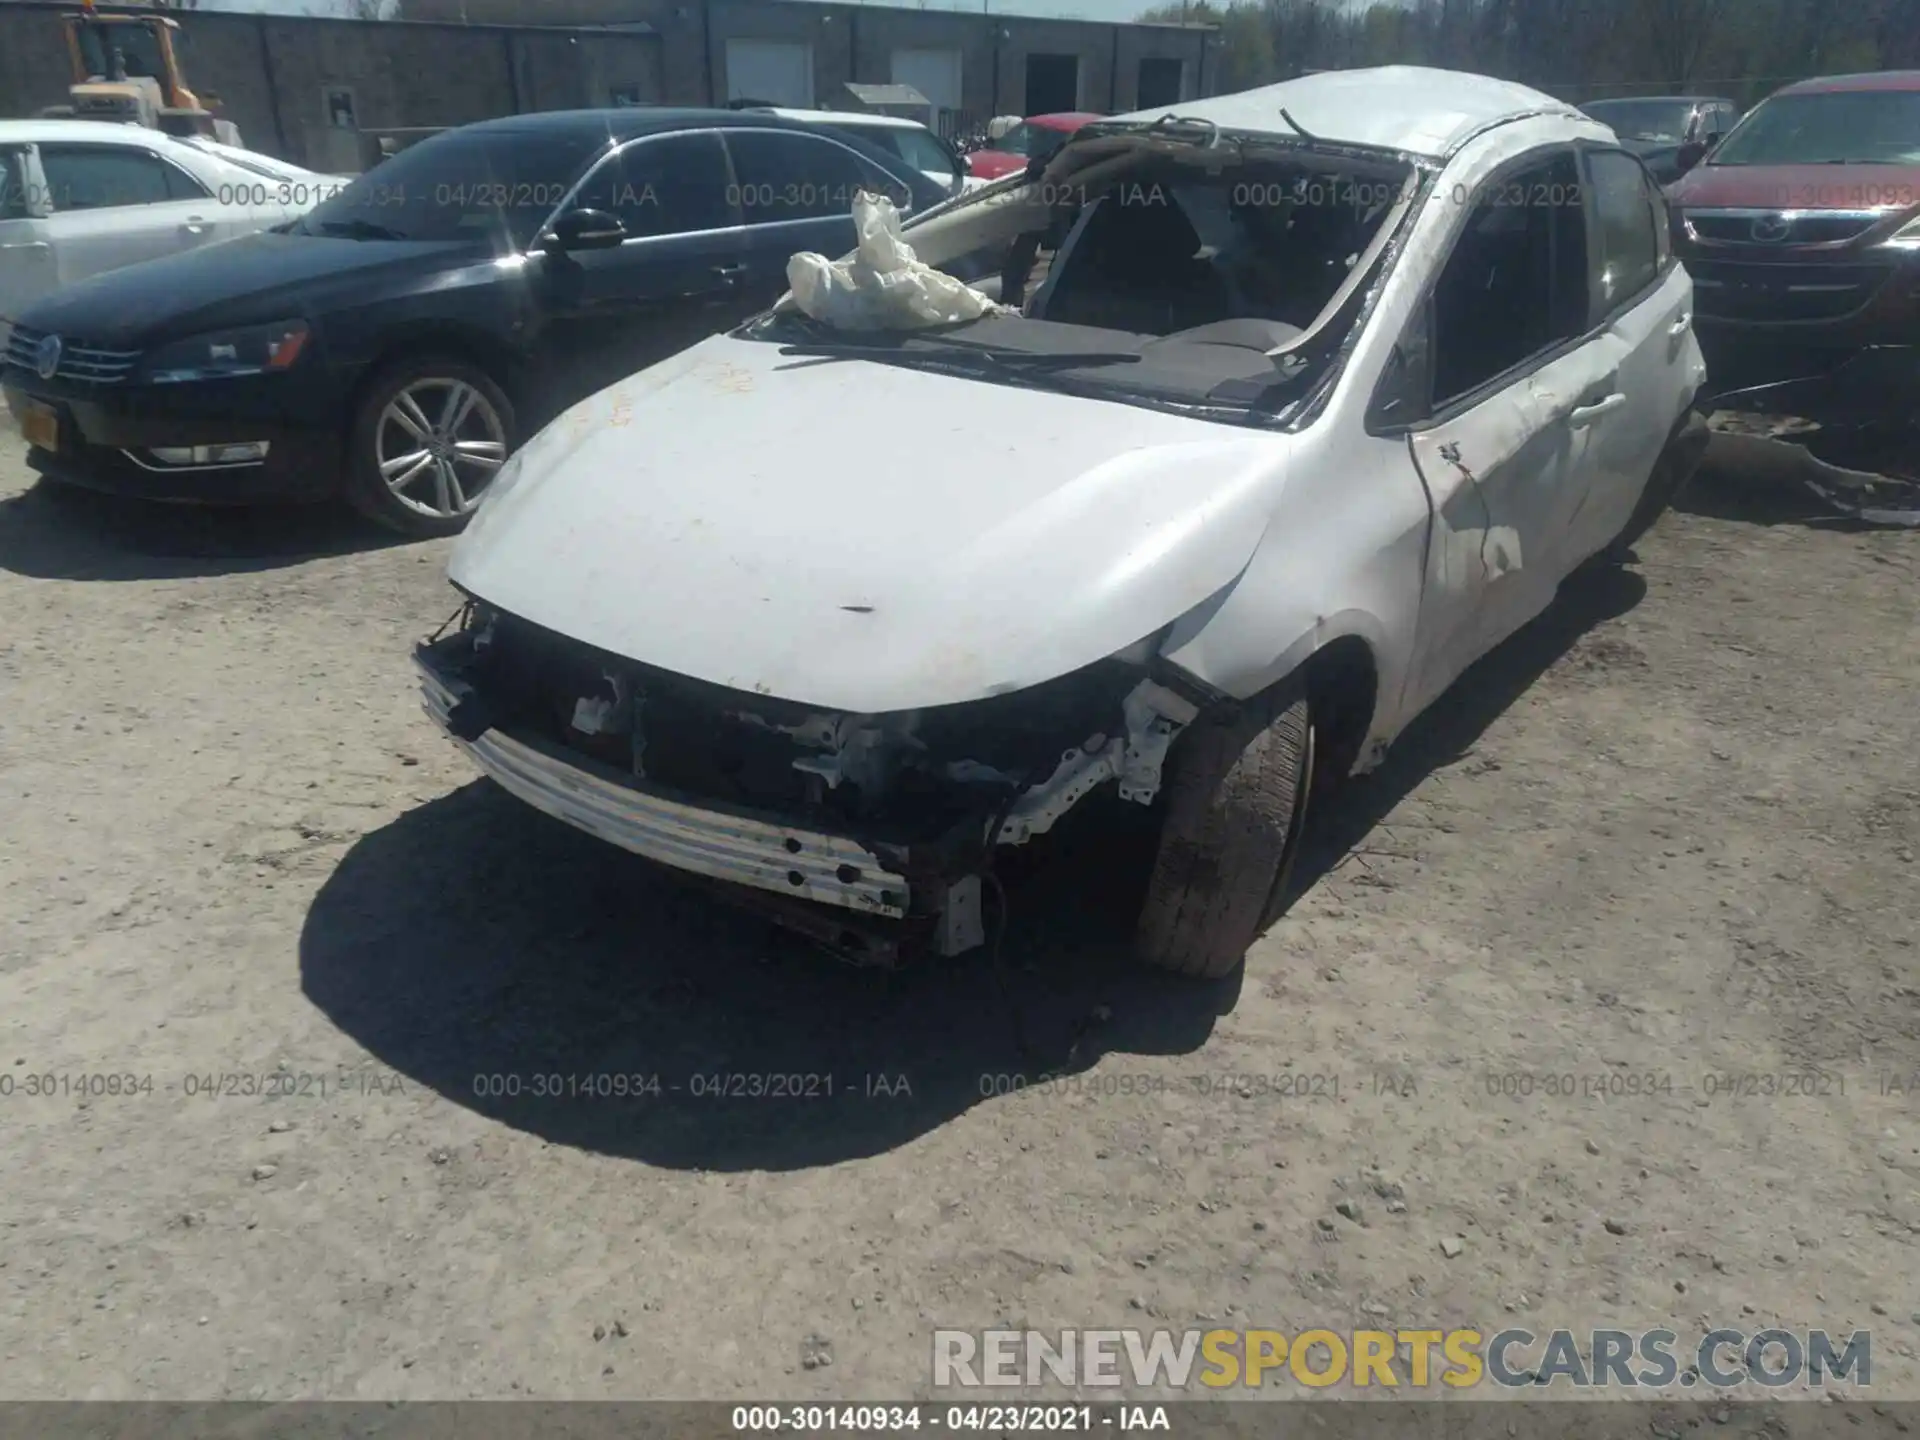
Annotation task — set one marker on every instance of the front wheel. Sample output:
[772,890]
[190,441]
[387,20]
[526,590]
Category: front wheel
[428,437]
[1236,807]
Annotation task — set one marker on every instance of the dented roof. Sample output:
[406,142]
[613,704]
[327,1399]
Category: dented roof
[1397,107]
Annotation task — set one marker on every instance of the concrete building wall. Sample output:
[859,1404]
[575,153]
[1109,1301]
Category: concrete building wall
[274,74]
[857,42]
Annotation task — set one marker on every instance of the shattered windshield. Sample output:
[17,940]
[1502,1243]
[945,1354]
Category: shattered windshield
[1136,271]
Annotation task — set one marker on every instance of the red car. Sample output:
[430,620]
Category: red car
[1034,138]
[1801,230]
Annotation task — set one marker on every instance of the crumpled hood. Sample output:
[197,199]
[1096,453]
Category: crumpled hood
[860,536]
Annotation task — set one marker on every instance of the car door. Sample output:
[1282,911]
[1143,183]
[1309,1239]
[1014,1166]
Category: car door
[796,193]
[674,279]
[26,249]
[1509,389]
[115,204]
[1641,302]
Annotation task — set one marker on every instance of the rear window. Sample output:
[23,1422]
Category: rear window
[922,151]
[917,147]
[1659,120]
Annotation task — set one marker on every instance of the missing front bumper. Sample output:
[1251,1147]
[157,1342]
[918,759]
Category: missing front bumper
[721,844]
[645,761]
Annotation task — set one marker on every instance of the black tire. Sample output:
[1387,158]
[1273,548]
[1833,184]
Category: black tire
[1235,806]
[368,491]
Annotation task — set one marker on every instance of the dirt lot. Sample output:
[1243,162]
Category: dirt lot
[1665,839]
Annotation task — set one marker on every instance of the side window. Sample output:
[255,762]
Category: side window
[13,185]
[784,176]
[1624,211]
[104,177]
[182,186]
[670,186]
[1516,282]
[920,150]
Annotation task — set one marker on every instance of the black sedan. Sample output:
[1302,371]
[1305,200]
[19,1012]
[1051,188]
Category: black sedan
[396,343]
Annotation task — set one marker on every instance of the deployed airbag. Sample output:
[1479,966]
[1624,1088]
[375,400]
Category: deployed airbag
[883,286]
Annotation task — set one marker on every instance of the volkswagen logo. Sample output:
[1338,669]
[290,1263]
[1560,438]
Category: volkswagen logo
[46,356]
[1770,228]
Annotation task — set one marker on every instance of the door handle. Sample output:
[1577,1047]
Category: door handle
[1682,325]
[194,224]
[1584,415]
[729,273]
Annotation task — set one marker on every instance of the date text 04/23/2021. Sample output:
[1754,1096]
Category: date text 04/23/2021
[964,1419]
[88,1086]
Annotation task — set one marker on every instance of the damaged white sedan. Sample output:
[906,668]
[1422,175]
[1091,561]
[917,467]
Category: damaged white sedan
[1267,419]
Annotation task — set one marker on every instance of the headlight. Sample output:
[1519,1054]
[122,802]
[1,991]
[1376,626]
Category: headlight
[221,354]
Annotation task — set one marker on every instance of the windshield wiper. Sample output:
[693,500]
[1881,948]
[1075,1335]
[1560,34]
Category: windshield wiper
[355,229]
[1006,359]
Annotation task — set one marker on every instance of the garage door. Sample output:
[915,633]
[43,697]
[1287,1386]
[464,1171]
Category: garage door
[936,75]
[779,72]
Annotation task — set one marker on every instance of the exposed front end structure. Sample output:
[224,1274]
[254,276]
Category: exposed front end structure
[835,820]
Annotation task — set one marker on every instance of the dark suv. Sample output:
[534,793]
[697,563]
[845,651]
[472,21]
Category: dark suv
[1802,233]
[1669,133]
[396,343]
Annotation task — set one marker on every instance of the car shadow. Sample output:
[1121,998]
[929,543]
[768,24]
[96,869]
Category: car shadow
[61,532]
[476,946]
[549,981]
[1447,731]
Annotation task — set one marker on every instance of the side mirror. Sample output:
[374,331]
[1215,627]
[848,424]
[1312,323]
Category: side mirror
[1689,155]
[585,230]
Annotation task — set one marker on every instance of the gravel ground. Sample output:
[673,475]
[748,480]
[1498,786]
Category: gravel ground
[1664,839]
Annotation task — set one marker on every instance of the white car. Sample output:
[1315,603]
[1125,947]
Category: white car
[911,141]
[1328,388]
[78,197]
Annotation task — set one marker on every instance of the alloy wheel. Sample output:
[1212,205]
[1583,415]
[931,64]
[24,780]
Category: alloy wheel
[439,444]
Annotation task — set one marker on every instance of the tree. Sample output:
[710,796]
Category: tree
[1677,34]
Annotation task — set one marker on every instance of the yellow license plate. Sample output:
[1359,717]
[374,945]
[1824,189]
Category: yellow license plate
[41,425]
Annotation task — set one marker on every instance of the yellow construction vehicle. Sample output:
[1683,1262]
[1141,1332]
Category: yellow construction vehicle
[125,69]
